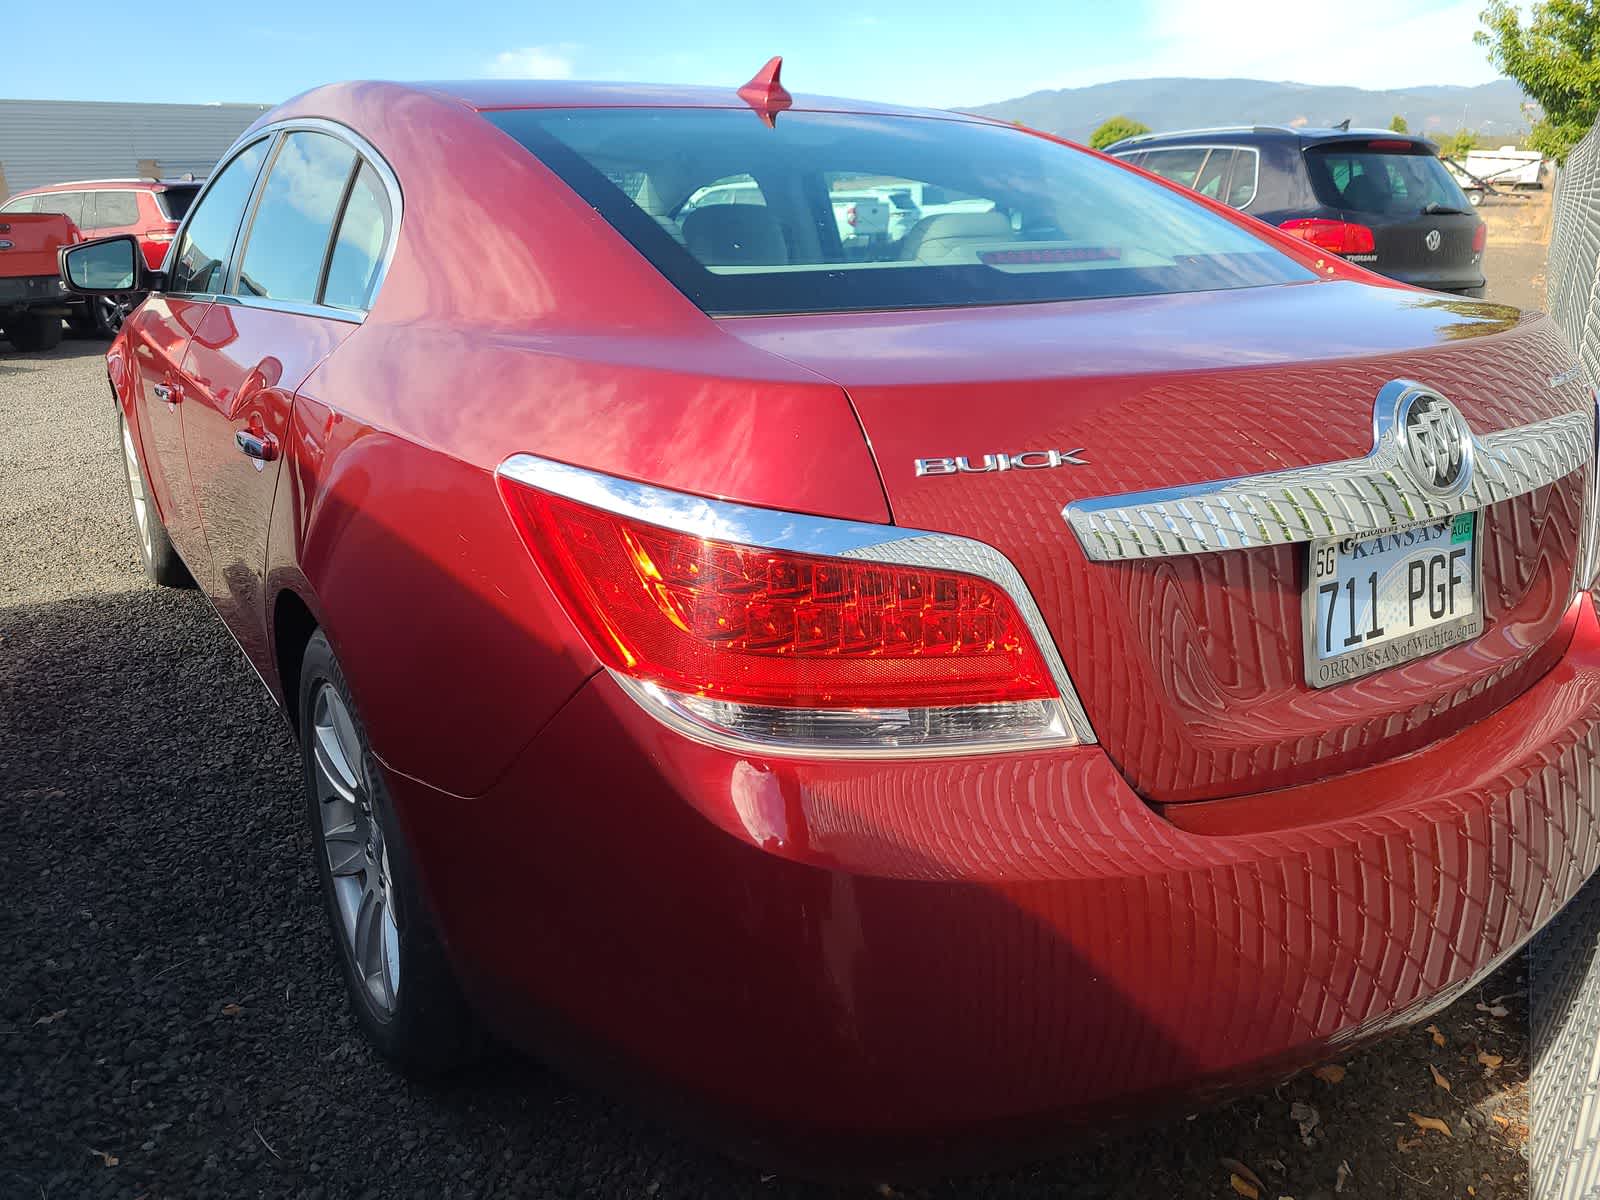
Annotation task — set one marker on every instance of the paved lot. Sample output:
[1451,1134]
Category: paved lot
[170,1021]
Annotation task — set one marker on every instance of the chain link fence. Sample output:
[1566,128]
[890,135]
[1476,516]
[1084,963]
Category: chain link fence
[1564,962]
[1572,276]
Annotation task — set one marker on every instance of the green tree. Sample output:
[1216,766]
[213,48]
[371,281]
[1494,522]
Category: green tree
[1460,145]
[1555,56]
[1114,129]
[1398,124]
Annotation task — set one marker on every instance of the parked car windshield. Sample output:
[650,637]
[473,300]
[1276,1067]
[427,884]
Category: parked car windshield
[1358,179]
[830,212]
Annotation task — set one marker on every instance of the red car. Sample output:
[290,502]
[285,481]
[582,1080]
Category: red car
[1081,655]
[149,209]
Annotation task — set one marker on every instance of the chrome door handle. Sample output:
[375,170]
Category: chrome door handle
[263,448]
[163,392]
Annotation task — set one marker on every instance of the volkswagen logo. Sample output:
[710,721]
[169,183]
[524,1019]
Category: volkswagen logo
[1432,240]
[1435,443]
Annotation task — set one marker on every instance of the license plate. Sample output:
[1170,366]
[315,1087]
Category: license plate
[1377,601]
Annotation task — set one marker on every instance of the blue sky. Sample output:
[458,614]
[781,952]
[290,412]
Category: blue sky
[937,52]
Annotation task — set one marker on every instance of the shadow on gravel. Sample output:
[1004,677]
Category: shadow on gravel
[15,364]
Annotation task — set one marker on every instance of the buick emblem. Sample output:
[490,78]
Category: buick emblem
[1432,240]
[1435,443]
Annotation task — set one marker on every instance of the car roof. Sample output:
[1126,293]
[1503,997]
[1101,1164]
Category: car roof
[1250,135]
[494,94]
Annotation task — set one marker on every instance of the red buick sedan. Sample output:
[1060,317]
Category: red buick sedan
[1070,651]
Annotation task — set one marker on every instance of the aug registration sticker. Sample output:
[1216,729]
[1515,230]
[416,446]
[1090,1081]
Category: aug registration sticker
[1378,601]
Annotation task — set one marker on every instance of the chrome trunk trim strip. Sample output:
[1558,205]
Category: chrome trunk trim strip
[1351,498]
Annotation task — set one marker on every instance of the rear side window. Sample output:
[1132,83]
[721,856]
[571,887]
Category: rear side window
[21,204]
[1368,178]
[1181,165]
[201,262]
[288,237]
[174,200]
[358,249]
[112,209]
[863,211]
[68,204]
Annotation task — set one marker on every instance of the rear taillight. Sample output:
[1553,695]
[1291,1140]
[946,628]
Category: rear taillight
[791,631]
[1480,238]
[1336,237]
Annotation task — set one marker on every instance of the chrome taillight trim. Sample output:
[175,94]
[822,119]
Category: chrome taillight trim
[802,533]
[1352,497]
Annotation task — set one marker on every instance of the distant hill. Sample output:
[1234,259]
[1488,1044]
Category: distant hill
[1494,109]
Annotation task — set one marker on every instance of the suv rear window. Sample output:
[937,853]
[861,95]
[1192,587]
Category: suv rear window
[834,212]
[1365,177]
[175,199]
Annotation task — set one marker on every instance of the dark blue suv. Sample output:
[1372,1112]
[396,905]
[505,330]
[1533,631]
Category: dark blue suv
[1377,198]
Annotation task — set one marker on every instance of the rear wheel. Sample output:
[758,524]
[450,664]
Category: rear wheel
[1475,197]
[30,332]
[101,316]
[161,561]
[399,982]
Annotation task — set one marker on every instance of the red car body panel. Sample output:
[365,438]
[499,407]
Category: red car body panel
[1241,876]
[1015,943]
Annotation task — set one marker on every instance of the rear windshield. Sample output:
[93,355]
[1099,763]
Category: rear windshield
[1359,179]
[175,199]
[830,212]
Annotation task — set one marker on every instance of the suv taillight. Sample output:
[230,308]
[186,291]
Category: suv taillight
[1480,238]
[790,648]
[1336,237]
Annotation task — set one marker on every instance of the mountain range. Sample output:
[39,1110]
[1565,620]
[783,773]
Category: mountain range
[1493,109]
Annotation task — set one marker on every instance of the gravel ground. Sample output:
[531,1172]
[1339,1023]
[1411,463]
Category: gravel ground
[170,1019]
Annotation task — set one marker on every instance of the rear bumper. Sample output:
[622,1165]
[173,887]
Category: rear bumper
[33,291]
[989,948]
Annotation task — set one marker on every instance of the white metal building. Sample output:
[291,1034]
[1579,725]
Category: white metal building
[50,141]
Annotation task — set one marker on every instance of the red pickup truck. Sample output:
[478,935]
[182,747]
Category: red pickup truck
[33,300]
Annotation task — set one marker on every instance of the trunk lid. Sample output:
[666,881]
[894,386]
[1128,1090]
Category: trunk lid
[1191,666]
[29,241]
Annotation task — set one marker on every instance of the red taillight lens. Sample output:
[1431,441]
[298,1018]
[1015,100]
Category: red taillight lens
[1480,238]
[749,625]
[1336,237]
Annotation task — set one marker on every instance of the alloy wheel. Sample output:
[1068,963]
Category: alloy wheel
[352,840]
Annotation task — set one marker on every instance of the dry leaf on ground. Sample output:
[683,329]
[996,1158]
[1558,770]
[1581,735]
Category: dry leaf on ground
[1343,1176]
[1244,1187]
[1234,1166]
[1490,1061]
[1438,1079]
[1438,1038]
[232,1010]
[108,1160]
[1331,1073]
[51,1018]
[1433,1123]
[1406,1145]
[1494,1010]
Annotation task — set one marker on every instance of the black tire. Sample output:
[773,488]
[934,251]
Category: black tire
[429,1028]
[32,332]
[160,558]
[100,316]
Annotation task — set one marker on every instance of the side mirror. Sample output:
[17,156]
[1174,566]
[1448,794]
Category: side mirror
[106,266]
